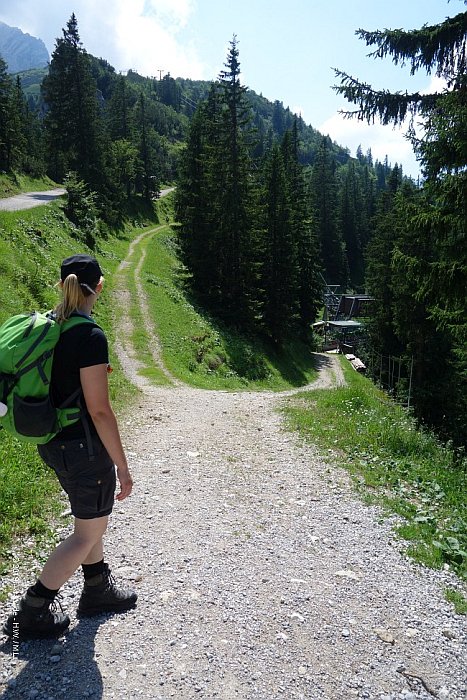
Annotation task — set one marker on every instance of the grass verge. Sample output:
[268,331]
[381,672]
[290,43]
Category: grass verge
[394,464]
[457,599]
[32,245]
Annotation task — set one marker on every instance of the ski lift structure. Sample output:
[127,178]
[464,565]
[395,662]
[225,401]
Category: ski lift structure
[339,324]
[342,332]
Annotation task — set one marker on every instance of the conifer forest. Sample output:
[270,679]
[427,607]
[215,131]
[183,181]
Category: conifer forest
[268,210]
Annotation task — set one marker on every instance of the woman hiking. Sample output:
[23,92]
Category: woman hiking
[84,456]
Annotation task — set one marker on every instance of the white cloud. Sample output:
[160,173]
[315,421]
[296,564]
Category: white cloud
[176,12]
[145,35]
[383,140]
[436,85]
[147,40]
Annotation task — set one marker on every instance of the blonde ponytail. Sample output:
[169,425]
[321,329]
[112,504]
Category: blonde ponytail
[73,298]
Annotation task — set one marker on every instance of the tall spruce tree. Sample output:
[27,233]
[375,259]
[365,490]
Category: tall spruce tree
[5,131]
[216,201]
[197,201]
[307,259]
[119,118]
[148,181]
[20,135]
[442,150]
[353,221]
[72,121]
[437,275]
[323,192]
[29,135]
[17,127]
[386,224]
[280,266]
[237,196]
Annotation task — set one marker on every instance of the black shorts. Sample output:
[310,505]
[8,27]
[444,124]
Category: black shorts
[90,485]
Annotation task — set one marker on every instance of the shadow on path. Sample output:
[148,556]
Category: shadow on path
[43,197]
[75,675]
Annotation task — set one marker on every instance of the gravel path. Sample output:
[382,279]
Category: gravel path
[28,200]
[259,573]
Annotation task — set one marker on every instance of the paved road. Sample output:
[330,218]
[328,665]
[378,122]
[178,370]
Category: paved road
[27,200]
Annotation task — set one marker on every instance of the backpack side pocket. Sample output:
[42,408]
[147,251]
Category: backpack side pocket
[34,417]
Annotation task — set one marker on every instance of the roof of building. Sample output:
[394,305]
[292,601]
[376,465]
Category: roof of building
[344,324]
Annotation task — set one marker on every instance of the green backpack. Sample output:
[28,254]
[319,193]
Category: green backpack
[27,344]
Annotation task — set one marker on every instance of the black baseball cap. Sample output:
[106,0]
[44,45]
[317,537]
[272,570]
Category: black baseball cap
[85,267]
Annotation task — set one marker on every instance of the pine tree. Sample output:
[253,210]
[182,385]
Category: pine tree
[439,48]
[309,287]
[278,119]
[379,274]
[236,203]
[323,191]
[216,201]
[442,150]
[355,208]
[5,130]
[196,201]
[31,136]
[124,166]
[18,127]
[437,266]
[280,268]
[169,92]
[147,181]
[119,118]
[73,124]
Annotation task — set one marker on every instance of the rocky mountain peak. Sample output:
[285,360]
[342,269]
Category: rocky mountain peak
[21,51]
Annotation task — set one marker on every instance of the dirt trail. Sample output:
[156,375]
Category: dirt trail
[126,353]
[330,371]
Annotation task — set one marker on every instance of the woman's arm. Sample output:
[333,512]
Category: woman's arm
[96,394]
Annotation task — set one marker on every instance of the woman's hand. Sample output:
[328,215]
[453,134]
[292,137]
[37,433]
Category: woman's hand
[125,481]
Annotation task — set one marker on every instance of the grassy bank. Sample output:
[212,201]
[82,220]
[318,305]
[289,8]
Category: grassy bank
[32,245]
[405,470]
[198,349]
[14,183]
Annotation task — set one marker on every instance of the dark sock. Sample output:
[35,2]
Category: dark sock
[41,591]
[91,570]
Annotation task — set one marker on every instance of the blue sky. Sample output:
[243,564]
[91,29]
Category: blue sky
[287,49]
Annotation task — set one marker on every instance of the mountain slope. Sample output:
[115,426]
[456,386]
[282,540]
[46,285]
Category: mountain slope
[21,51]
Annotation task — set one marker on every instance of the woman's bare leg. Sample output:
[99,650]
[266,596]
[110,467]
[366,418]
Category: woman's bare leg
[96,554]
[84,545]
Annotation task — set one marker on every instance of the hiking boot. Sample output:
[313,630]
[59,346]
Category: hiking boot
[35,620]
[100,594]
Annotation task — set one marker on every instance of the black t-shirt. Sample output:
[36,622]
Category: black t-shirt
[84,345]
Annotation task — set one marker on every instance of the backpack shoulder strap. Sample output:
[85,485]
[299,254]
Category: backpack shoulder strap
[76,320]
[47,326]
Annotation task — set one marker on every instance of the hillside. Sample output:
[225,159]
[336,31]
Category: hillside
[27,57]
[174,102]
